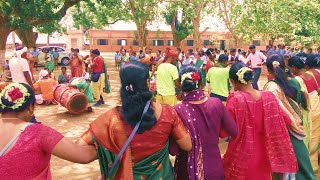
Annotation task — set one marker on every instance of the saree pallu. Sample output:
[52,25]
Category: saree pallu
[107,82]
[297,133]
[306,115]
[279,150]
[156,166]
[49,65]
[315,131]
[200,65]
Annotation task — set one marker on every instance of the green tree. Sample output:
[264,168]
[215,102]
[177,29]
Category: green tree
[231,12]
[141,12]
[23,15]
[272,19]
[89,14]
[195,10]
[180,30]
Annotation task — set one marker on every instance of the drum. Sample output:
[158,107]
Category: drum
[71,98]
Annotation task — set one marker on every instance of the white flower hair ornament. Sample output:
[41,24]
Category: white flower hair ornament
[192,76]
[241,74]
[275,64]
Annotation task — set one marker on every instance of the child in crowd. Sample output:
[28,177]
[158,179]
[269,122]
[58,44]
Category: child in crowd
[116,58]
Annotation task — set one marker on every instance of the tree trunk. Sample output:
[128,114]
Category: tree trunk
[176,40]
[196,32]
[239,41]
[4,33]
[27,37]
[141,34]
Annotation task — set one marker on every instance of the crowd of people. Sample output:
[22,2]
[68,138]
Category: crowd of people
[272,133]
[88,74]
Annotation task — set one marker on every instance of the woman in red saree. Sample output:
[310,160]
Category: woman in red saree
[147,156]
[263,145]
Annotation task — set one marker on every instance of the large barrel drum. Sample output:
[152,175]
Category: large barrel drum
[71,98]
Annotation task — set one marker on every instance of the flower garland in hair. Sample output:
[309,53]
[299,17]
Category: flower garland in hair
[275,64]
[192,76]
[241,73]
[15,94]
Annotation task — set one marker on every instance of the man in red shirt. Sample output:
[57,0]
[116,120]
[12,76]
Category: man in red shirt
[98,77]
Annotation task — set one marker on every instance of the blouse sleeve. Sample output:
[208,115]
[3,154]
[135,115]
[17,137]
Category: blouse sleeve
[48,138]
[178,130]
[87,137]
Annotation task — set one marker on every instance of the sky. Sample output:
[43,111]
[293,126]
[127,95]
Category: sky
[212,22]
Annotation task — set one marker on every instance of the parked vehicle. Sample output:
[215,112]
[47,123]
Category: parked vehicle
[63,55]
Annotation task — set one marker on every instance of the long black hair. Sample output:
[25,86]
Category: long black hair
[282,81]
[189,85]
[135,94]
[248,76]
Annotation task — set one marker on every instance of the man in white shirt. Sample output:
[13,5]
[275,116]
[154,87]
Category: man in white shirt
[19,68]
[257,59]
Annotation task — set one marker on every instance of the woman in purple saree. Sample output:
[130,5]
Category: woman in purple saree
[204,117]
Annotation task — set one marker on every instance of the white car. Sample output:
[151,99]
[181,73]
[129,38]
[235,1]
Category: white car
[63,55]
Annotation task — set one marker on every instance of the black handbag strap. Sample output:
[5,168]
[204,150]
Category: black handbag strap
[146,107]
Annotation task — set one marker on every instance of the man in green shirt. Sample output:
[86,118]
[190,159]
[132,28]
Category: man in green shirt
[218,77]
[167,79]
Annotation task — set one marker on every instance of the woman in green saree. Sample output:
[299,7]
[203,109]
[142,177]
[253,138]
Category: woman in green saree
[123,59]
[292,101]
[201,65]
[147,156]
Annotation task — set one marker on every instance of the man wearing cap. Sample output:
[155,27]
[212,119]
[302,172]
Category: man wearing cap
[145,59]
[19,68]
[99,77]
[168,79]
[44,88]
[257,59]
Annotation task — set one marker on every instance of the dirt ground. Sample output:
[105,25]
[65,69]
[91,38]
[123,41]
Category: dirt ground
[72,126]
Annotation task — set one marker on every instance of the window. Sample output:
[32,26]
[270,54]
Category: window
[222,44]
[158,42]
[135,43]
[207,42]
[170,43]
[102,42]
[122,42]
[190,42]
[256,42]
